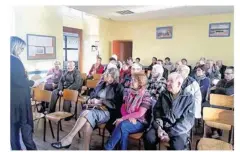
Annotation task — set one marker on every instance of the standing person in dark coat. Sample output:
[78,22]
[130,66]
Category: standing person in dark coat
[21,118]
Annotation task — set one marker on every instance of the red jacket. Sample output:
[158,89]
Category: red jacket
[99,69]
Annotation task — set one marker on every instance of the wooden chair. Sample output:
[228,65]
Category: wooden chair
[68,96]
[138,137]
[84,76]
[36,77]
[220,119]
[103,127]
[97,76]
[39,96]
[222,100]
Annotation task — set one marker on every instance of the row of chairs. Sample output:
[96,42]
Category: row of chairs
[220,118]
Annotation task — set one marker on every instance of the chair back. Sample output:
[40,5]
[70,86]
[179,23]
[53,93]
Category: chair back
[70,95]
[218,118]
[84,76]
[97,76]
[222,100]
[92,83]
[42,95]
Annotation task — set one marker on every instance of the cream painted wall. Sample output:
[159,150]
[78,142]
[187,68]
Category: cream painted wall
[42,20]
[190,39]
[190,36]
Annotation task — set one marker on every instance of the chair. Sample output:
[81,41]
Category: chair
[222,100]
[36,77]
[137,136]
[39,96]
[68,96]
[103,127]
[84,76]
[220,119]
[97,76]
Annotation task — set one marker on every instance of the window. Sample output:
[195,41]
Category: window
[70,46]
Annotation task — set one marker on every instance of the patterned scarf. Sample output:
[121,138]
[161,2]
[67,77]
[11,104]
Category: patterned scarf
[133,101]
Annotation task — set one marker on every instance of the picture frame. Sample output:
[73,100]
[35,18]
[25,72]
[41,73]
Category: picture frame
[164,32]
[219,29]
[41,47]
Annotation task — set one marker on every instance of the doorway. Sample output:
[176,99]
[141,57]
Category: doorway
[72,47]
[122,48]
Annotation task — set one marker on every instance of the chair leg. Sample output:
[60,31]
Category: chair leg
[230,136]
[79,134]
[76,110]
[197,144]
[60,103]
[61,125]
[139,145]
[44,130]
[99,131]
[58,128]
[50,124]
[103,135]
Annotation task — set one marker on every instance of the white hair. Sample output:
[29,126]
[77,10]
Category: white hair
[176,76]
[111,65]
[158,68]
[184,70]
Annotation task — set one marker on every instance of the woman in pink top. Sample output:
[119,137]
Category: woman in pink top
[137,102]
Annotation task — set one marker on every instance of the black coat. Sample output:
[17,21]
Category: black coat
[21,111]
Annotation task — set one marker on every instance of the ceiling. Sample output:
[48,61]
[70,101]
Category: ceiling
[152,12]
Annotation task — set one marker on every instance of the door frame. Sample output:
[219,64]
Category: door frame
[80,53]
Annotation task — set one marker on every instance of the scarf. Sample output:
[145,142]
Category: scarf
[200,78]
[133,101]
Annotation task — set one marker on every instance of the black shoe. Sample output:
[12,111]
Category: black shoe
[58,145]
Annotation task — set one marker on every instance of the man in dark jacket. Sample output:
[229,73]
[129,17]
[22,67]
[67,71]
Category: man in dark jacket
[226,85]
[70,80]
[222,68]
[21,118]
[173,116]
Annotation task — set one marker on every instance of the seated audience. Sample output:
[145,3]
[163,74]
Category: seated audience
[52,82]
[134,118]
[154,61]
[190,85]
[212,72]
[111,61]
[204,83]
[226,85]
[96,68]
[165,72]
[173,116]
[137,60]
[136,68]
[157,83]
[168,64]
[177,64]
[221,67]
[108,93]
[72,80]
[185,62]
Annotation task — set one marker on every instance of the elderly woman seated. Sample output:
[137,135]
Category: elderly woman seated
[137,101]
[108,93]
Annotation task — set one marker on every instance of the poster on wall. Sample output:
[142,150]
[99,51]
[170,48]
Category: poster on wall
[219,29]
[164,32]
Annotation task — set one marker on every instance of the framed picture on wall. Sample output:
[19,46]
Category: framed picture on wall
[219,29]
[164,32]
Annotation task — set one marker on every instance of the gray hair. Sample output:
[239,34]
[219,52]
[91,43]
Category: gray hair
[176,76]
[184,71]
[159,68]
[16,43]
[114,73]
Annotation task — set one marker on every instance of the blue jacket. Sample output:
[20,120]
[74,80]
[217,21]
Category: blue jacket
[175,116]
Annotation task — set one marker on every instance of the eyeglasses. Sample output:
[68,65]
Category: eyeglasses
[228,73]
